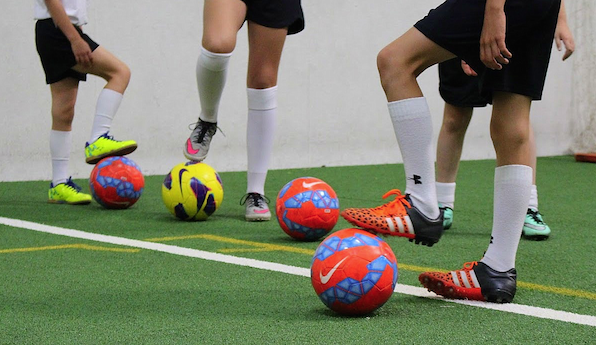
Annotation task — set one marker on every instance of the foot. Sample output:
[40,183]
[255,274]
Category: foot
[256,207]
[197,145]
[476,281]
[534,227]
[447,216]
[67,193]
[106,146]
[397,218]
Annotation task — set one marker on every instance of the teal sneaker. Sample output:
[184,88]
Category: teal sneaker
[106,146]
[447,216]
[534,226]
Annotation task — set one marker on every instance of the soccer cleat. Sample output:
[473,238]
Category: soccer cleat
[447,216]
[106,146]
[197,145]
[397,218]
[534,227]
[67,193]
[476,281]
[256,207]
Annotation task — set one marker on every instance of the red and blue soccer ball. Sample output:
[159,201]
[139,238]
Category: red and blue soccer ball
[116,182]
[192,191]
[354,272]
[307,208]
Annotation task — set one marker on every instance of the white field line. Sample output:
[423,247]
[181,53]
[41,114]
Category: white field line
[538,312]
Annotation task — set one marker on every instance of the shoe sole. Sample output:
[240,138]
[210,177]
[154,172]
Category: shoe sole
[257,218]
[84,202]
[193,158]
[535,237]
[123,151]
[415,238]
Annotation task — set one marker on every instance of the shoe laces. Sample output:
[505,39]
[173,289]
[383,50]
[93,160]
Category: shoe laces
[205,128]
[468,266]
[70,184]
[535,215]
[254,199]
[397,206]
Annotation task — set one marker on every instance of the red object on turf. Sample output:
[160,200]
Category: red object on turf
[586,157]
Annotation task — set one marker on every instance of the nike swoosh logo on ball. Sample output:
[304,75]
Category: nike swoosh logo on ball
[325,278]
[309,185]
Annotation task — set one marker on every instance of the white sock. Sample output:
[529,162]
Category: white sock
[413,129]
[108,103]
[260,132]
[534,198]
[60,143]
[211,74]
[446,194]
[512,192]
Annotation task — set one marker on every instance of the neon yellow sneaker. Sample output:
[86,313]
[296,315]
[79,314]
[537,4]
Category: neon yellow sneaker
[106,146]
[67,193]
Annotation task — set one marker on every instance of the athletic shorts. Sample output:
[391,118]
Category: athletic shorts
[458,88]
[456,25]
[55,51]
[276,14]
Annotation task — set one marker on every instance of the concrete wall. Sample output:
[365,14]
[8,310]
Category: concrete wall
[332,110]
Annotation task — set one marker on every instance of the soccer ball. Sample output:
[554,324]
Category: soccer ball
[116,182]
[353,272]
[192,191]
[307,208]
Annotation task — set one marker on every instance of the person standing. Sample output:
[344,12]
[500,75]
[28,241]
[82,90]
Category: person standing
[269,22]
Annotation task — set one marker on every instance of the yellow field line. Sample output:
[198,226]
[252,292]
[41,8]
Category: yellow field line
[259,246]
[68,246]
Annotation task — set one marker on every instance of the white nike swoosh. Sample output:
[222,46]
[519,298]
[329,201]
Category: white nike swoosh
[308,185]
[325,278]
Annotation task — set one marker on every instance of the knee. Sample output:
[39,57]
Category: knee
[219,45]
[264,78]
[456,120]
[393,67]
[63,113]
[511,136]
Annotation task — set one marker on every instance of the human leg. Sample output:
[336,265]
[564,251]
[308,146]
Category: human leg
[265,49]
[62,189]
[416,215]
[117,76]
[221,22]
[493,279]
[534,226]
[449,148]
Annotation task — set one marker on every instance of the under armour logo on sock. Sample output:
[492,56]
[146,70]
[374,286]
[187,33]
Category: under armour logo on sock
[417,179]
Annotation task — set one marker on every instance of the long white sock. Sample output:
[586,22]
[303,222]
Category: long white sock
[260,132]
[60,143]
[413,129]
[211,74]
[512,192]
[446,194]
[534,198]
[108,103]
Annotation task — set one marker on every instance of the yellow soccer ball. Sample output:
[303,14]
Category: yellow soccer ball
[192,191]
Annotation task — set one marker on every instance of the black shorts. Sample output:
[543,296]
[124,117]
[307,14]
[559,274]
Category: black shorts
[456,26]
[458,88]
[276,14]
[55,51]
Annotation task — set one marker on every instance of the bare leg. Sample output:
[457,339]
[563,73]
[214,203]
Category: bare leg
[221,21]
[108,67]
[451,141]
